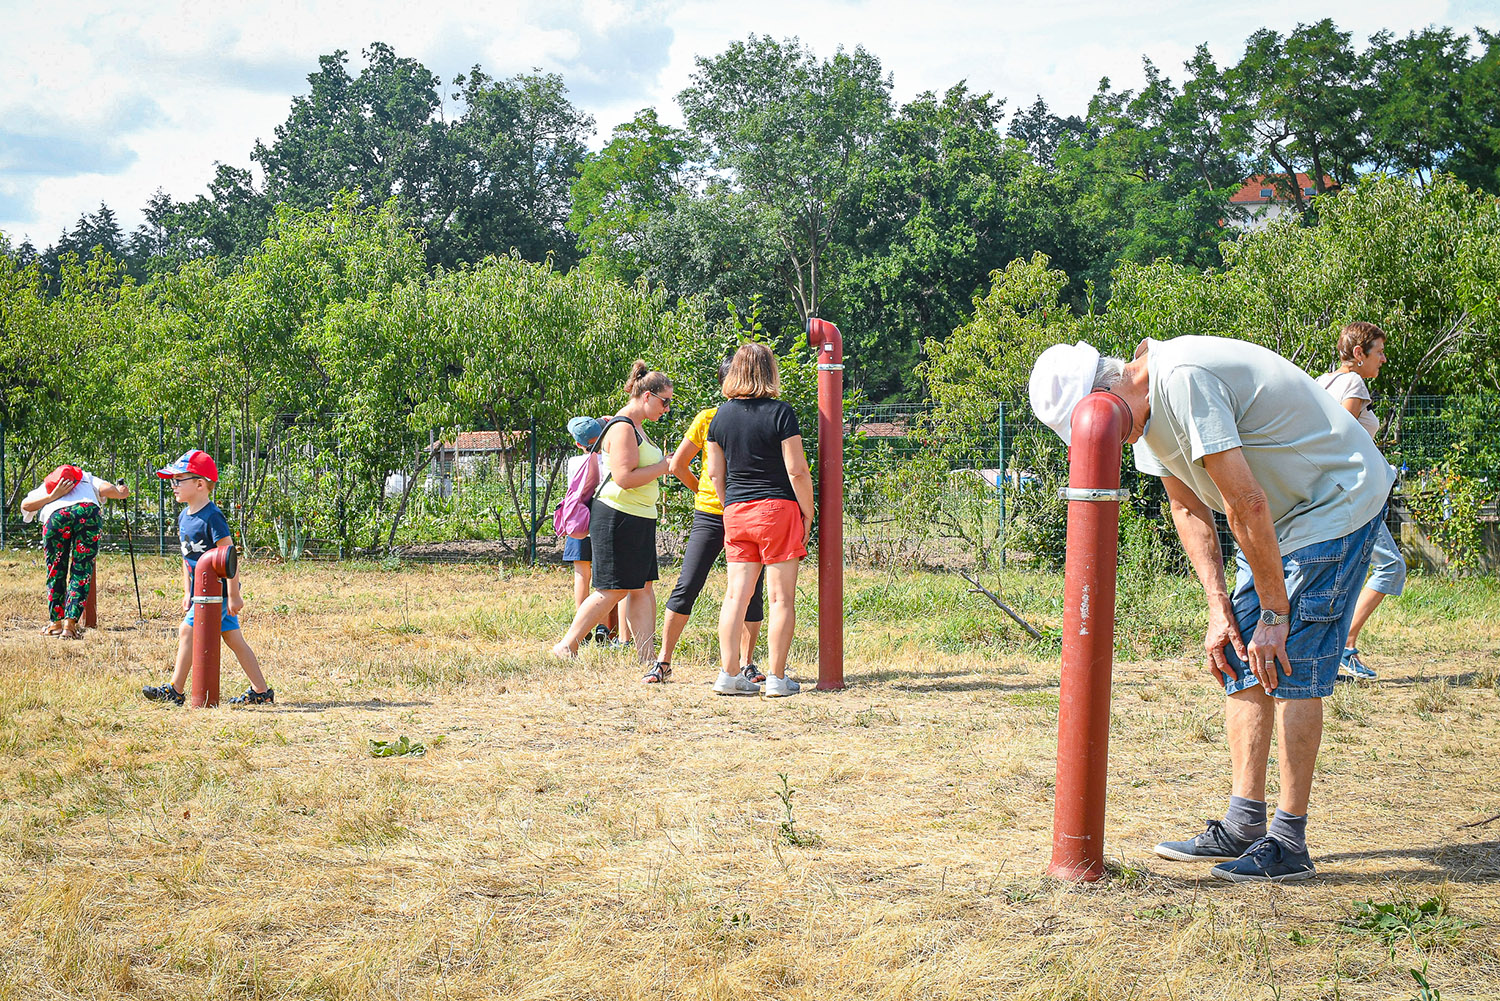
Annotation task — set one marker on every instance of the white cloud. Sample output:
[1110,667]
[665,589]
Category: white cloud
[114,99]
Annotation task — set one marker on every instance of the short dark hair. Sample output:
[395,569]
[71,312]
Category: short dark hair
[1359,334]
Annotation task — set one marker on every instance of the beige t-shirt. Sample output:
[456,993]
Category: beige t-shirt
[1351,386]
[1321,472]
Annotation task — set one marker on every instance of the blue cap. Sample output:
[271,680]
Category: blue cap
[584,430]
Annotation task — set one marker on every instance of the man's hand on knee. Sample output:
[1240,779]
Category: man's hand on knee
[1222,631]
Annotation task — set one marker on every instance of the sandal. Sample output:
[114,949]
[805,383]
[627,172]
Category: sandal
[659,673]
[68,634]
[55,629]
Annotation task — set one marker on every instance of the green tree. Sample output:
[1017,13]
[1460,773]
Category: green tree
[518,146]
[793,133]
[1415,105]
[932,220]
[1298,106]
[637,174]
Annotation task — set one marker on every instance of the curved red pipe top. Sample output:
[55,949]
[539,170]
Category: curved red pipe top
[826,337]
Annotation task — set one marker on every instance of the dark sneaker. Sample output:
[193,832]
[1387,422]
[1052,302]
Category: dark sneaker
[754,673]
[1267,861]
[164,693]
[254,698]
[1214,843]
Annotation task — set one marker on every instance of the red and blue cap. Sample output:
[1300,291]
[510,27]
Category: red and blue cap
[195,461]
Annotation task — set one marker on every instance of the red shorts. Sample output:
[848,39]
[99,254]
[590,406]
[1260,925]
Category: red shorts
[763,531]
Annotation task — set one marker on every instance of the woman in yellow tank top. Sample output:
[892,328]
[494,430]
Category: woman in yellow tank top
[622,519]
[704,544]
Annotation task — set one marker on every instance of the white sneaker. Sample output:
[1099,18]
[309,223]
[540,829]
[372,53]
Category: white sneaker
[780,688]
[735,684]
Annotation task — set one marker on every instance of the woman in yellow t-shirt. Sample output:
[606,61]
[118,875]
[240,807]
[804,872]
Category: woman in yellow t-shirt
[704,544]
[622,518]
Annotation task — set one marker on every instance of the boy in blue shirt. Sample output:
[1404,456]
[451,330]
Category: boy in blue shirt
[202,526]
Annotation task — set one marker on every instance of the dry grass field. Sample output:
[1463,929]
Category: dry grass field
[572,834]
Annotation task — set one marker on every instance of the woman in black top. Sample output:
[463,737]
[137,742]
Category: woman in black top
[755,460]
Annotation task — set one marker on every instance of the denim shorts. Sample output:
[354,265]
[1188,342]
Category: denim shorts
[228,623]
[1322,581]
[577,549]
[1387,568]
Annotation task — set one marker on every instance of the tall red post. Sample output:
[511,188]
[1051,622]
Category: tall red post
[1100,423]
[208,611]
[91,603]
[825,337]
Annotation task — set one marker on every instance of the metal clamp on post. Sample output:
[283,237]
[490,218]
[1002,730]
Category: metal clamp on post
[1092,494]
[208,599]
[822,367]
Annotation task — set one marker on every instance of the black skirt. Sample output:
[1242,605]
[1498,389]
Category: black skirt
[624,548]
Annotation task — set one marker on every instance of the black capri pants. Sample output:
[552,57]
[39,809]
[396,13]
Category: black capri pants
[705,543]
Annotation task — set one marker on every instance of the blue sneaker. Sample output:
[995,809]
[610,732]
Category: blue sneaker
[1267,861]
[1214,843]
[1350,666]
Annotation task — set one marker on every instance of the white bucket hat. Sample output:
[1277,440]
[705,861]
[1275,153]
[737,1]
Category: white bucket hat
[1062,376]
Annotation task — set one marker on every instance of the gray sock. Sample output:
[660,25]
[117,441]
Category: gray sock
[1290,830]
[1246,818]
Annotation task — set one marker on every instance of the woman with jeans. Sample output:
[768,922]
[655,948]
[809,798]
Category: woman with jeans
[622,518]
[755,460]
[1361,354]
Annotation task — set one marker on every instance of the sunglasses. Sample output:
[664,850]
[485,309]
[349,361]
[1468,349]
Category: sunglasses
[665,401]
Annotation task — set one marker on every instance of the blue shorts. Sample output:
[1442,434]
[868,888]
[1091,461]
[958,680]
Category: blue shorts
[577,549]
[228,623]
[1387,568]
[1322,581]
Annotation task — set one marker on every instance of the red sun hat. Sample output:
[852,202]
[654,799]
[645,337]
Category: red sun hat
[194,461]
[62,473]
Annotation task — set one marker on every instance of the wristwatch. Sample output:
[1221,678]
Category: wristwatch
[1270,618]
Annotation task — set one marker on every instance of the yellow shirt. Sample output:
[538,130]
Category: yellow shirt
[705,499]
[639,501]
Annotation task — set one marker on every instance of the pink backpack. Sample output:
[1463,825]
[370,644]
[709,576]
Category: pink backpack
[572,516]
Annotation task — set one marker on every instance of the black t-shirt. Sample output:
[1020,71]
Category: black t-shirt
[751,432]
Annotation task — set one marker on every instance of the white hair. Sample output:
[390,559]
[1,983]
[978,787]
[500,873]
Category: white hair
[1108,374]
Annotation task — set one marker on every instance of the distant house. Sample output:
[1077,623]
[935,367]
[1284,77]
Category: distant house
[462,456]
[1266,197]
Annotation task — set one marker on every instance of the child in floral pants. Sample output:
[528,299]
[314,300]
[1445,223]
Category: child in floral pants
[72,539]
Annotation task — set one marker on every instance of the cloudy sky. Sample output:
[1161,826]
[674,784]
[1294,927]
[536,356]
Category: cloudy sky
[107,101]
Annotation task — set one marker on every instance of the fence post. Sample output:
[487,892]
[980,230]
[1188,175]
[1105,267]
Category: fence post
[2,485]
[161,488]
[1000,480]
[531,531]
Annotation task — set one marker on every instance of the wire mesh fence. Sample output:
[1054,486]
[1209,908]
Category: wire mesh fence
[918,488]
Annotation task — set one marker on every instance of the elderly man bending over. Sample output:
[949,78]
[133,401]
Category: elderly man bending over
[1230,426]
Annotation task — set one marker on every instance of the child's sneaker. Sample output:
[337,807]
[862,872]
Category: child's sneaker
[254,698]
[164,693]
[780,688]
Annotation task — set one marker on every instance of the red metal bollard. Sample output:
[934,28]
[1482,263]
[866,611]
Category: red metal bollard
[1100,423]
[208,611]
[830,344]
[91,603]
